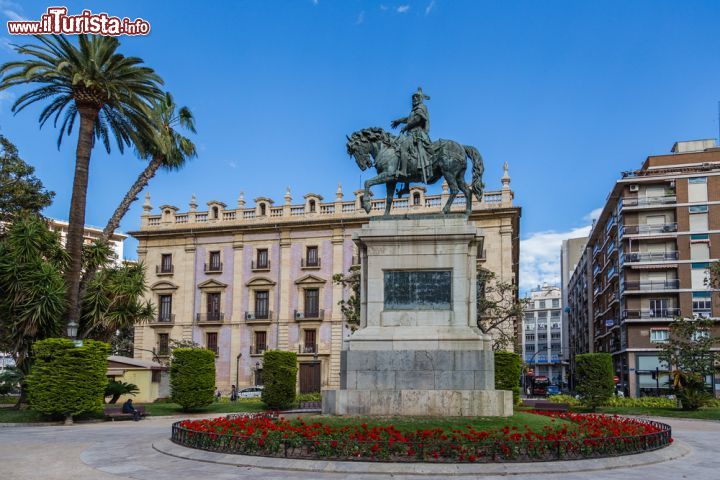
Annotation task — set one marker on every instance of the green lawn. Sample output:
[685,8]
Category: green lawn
[520,420]
[11,415]
[248,405]
[709,413]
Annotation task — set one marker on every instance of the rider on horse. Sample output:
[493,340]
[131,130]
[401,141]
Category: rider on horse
[415,146]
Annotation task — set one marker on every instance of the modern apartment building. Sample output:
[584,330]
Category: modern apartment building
[570,252]
[242,280]
[647,262]
[542,338]
[90,235]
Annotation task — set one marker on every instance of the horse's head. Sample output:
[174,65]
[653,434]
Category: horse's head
[362,145]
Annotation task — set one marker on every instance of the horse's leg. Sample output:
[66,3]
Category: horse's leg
[382,178]
[453,185]
[389,193]
[466,191]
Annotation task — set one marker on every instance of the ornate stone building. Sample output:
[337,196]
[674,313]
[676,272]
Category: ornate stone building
[242,280]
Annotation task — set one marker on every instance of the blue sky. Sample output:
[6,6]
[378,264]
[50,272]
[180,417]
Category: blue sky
[568,93]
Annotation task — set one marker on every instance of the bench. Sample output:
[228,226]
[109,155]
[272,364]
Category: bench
[310,405]
[116,413]
[551,406]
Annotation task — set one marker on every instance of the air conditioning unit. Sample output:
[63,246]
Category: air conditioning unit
[672,183]
[249,316]
[299,315]
[634,187]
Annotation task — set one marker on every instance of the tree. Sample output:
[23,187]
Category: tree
[350,307]
[115,390]
[192,377]
[595,383]
[68,380]
[108,91]
[279,378]
[498,309]
[508,368]
[714,279]
[689,356]
[21,192]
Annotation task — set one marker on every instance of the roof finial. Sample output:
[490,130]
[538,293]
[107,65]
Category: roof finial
[339,193]
[241,200]
[193,203]
[506,177]
[288,196]
[147,207]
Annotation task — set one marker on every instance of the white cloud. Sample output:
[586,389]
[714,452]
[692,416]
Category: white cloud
[540,256]
[594,215]
[232,164]
[402,9]
[430,6]
[315,2]
[360,18]
[383,7]
[11,10]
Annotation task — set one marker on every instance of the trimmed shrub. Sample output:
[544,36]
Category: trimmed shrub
[66,380]
[644,402]
[566,399]
[279,379]
[507,373]
[595,383]
[192,377]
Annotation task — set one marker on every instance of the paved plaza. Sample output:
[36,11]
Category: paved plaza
[129,450]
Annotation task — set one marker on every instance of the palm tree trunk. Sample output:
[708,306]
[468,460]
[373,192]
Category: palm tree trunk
[142,180]
[76,227]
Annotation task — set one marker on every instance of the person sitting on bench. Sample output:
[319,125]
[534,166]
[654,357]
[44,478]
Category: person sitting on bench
[128,408]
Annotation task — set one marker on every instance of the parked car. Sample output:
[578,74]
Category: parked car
[250,392]
[553,390]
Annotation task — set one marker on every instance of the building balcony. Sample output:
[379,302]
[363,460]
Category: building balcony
[649,201]
[310,263]
[596,250]
[210,317]
[308,348]
[597,270]
[257,349]
[163,319]
[213,267]
[260,266]
[650,256]
[648,229]
[309,315]
[651,314]
[259,316]
[164,269]
[652,285]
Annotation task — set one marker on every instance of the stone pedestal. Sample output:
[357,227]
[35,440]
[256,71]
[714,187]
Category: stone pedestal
[418,351]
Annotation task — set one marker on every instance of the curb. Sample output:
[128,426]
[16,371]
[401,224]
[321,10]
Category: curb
[672,452]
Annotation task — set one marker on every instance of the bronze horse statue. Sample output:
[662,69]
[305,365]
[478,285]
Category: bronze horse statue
[374,147]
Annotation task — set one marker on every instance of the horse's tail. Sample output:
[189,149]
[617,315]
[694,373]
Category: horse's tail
[477,171]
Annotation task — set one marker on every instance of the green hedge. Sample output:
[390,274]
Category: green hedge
[507,373]
[66,380]
[279,378]
[594,374]
[192,377]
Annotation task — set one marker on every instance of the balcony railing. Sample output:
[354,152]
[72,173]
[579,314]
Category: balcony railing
[308,348]
[650,313]
[309,315]
[648,229]
[210,317]
[652,284]
[597,270]
[650,256]
[257,349]
[258,315]
[258,266]
[164,269]
[310,263]
[213,267]
[165,318]
[646,201]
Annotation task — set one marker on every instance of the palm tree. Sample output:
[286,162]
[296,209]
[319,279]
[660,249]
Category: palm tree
[109,91]
[166,148]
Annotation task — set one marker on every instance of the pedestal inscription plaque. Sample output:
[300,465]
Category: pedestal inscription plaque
[418,290]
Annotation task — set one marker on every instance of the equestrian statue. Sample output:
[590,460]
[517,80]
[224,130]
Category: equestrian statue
[413,157]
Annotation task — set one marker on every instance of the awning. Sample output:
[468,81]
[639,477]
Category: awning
[655,266]
[115,372]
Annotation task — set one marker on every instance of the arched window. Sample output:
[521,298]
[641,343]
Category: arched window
[416,199]
[262,210]
[215,212]
[311,203]
[167,212]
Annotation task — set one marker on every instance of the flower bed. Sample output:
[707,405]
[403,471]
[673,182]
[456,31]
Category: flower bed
[583,436]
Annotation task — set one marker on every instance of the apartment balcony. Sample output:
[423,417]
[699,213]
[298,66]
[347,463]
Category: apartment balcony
[654,201]
[650,256]
[164,269]
[213,267]
[163,319]
[257,349]
[210,317]
[652,285]
[310,263]
[596,250]
[259,316]
[648,229]
[597,270]
[260,266]
[651,314]
[308,348]
[309,315]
